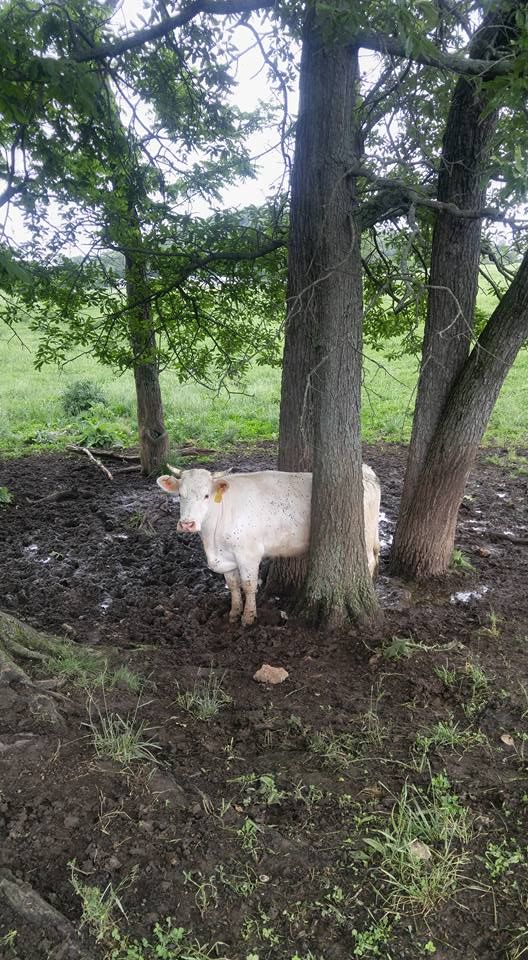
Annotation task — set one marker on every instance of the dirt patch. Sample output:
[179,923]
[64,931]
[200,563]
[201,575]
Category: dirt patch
[258,830]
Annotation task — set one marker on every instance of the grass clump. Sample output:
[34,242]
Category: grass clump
[99,906]
[446,734]
[166,942]
[460,562]
[478,690]
[421,863]
[335,750]
[6,497]
[89,669]
[206,698]
[122,739]
[100,909]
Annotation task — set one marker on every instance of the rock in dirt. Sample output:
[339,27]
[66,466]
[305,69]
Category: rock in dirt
[269,674]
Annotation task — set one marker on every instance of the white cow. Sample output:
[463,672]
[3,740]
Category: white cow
[244,517]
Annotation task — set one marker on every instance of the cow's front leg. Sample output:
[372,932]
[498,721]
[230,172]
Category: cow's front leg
[233,582]
[249,578]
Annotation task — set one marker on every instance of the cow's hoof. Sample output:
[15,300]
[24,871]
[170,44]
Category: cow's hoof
[247,621]
[234,617]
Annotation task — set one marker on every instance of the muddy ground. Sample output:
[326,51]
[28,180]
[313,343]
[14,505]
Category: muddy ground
[260,832]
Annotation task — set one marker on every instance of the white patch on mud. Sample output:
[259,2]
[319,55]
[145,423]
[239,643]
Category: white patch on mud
[464,596]
[385,526]
[105,604]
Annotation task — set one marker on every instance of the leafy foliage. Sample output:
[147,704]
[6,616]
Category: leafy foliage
[81,395]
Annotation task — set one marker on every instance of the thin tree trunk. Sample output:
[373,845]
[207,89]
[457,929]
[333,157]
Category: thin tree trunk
[153,437]
[463,180]
[430,532]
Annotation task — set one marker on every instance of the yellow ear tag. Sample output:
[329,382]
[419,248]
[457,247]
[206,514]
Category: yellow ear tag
[218,496]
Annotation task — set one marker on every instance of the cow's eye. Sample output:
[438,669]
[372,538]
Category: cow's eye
[206,496]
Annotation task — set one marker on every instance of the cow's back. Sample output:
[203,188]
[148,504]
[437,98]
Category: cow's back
[268,511]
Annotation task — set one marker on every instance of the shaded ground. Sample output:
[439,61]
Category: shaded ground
[259,830]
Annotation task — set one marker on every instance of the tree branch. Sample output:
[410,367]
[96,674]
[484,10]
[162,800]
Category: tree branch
[11,191]
[418,196]
[471,67]
[161,29]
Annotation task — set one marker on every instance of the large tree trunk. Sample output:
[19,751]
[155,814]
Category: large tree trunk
[427,541]
[463,178]
[322,363]
[153,437]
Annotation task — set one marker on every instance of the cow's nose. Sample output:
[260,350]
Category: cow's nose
[188,525]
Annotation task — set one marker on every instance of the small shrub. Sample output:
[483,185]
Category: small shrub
[99,429]
[461,563]
[6,497]
[81,395]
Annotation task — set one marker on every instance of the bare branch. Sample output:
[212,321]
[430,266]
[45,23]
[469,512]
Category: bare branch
[468,66]
[418,195]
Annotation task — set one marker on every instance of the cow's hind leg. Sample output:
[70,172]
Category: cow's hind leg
[248,570]
[233,582]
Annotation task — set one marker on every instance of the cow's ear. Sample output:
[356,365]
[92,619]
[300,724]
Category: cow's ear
[169,484]
[220,488]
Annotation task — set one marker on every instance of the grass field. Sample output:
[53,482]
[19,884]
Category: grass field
[31,412]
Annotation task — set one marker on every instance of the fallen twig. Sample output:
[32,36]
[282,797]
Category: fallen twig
[498,535]
[56,497]
[193,451]
[115,455]
[76,449]
[133,469]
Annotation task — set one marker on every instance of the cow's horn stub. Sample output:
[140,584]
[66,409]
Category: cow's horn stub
[221,473]
[174,470]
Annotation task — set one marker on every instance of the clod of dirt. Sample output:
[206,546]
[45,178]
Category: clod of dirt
[269,674]
[420,850]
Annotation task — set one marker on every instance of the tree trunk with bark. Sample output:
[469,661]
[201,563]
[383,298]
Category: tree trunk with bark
[463,180]
[153,437]
[427,540]
[320,402]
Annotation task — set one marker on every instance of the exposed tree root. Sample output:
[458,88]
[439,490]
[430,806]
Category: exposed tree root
[28,909]
[19,641]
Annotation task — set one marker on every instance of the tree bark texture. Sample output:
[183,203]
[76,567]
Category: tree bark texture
[18,693]
[153,437]
[320,406]
[463,179]
[427,540]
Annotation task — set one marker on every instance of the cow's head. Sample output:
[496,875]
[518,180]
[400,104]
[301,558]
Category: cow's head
[197,489]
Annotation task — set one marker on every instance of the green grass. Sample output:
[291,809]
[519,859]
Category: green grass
[206,698]
[31,413]
[422,848]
